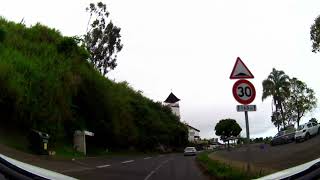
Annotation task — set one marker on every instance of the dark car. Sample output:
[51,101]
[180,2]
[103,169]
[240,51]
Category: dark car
[283,137]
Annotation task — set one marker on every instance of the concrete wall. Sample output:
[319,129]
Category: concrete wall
[79,141]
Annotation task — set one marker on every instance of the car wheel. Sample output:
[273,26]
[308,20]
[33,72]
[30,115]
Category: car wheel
[307,136]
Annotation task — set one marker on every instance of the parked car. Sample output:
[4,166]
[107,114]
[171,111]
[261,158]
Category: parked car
[283,137]
[190,151]
[305,131]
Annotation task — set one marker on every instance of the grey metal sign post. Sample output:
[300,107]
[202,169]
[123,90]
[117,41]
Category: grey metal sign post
[248,141]
[244,92]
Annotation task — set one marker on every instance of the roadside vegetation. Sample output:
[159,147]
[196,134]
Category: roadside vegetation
[291,98]
[219,170]
[227,129]
[47,83]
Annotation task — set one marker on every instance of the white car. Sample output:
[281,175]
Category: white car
[307,130]
[190,151]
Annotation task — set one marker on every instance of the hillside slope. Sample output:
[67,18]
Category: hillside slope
[47,84]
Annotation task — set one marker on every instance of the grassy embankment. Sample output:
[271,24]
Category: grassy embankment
[46,83]
[219,170]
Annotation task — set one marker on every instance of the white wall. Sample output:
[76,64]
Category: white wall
[174,108]
[192,134]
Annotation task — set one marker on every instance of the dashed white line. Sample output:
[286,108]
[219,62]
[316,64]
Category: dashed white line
[103,166]
[77,169]
[156,169]
[127,161]
[147,158]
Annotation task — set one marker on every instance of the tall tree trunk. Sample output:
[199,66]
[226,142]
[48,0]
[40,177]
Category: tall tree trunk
[298,119]
[282,115]
[228,145]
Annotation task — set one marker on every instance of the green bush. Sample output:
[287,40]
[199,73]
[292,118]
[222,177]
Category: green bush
[47,84]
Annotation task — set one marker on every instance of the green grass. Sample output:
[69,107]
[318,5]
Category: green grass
[67,152]
[14,140]
[47,84]
[218,170]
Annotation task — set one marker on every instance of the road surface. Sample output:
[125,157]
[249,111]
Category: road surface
[274,158]
[158,167]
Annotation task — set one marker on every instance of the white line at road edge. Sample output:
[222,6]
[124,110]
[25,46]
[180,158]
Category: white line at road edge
[147,158]
[127,161]
[103,166]
[156,169]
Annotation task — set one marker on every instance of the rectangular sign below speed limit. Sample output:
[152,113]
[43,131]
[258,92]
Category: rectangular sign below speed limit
[242,108]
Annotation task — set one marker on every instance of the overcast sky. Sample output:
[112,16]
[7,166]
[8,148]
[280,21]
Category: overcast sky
[190,47]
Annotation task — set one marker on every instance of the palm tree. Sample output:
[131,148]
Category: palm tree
[277,86]
[275,120]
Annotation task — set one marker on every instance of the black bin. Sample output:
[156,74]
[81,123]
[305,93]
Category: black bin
[38,142]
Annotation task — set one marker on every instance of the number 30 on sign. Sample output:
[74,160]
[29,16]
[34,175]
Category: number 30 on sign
[244,91]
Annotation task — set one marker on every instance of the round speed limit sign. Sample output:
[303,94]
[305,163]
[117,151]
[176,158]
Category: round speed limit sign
[244,91]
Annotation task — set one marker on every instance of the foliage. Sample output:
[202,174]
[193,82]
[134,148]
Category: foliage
[291,97]
[258,140]
[102,40]
[47,84]
[218,170]
[315,35]
[313,120]
[276,120]
[277,86]
[301,100]
[227,128]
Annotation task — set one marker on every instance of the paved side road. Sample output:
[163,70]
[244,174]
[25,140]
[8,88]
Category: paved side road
[275,158]
[159,167]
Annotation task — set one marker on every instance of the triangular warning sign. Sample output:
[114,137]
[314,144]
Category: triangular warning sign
[240,71]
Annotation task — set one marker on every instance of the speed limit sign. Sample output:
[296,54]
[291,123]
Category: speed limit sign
[244,91]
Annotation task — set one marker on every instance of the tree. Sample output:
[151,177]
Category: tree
[277,86]
[275,120]
[227,128]
[315,35]
[302,99]
[102,40]
[313,120]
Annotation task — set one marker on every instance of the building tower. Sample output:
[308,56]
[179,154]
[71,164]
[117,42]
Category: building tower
[173,102]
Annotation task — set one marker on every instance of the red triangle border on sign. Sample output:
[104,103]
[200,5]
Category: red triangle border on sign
[240,77]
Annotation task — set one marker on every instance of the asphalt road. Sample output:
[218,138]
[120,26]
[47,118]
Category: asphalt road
[159,167]
[275,158]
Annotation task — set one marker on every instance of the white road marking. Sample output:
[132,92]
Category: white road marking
[77,169]
[156,169]
[127,161]
[103,166]
[81,163]
[147,158]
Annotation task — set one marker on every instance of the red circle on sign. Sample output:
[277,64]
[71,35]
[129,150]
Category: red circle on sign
[243,91]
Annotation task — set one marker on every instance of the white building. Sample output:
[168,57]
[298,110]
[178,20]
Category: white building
[173,102]
[193,135]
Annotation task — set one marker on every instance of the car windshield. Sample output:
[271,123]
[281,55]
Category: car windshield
[150,89]
[189,149]
[300,127]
